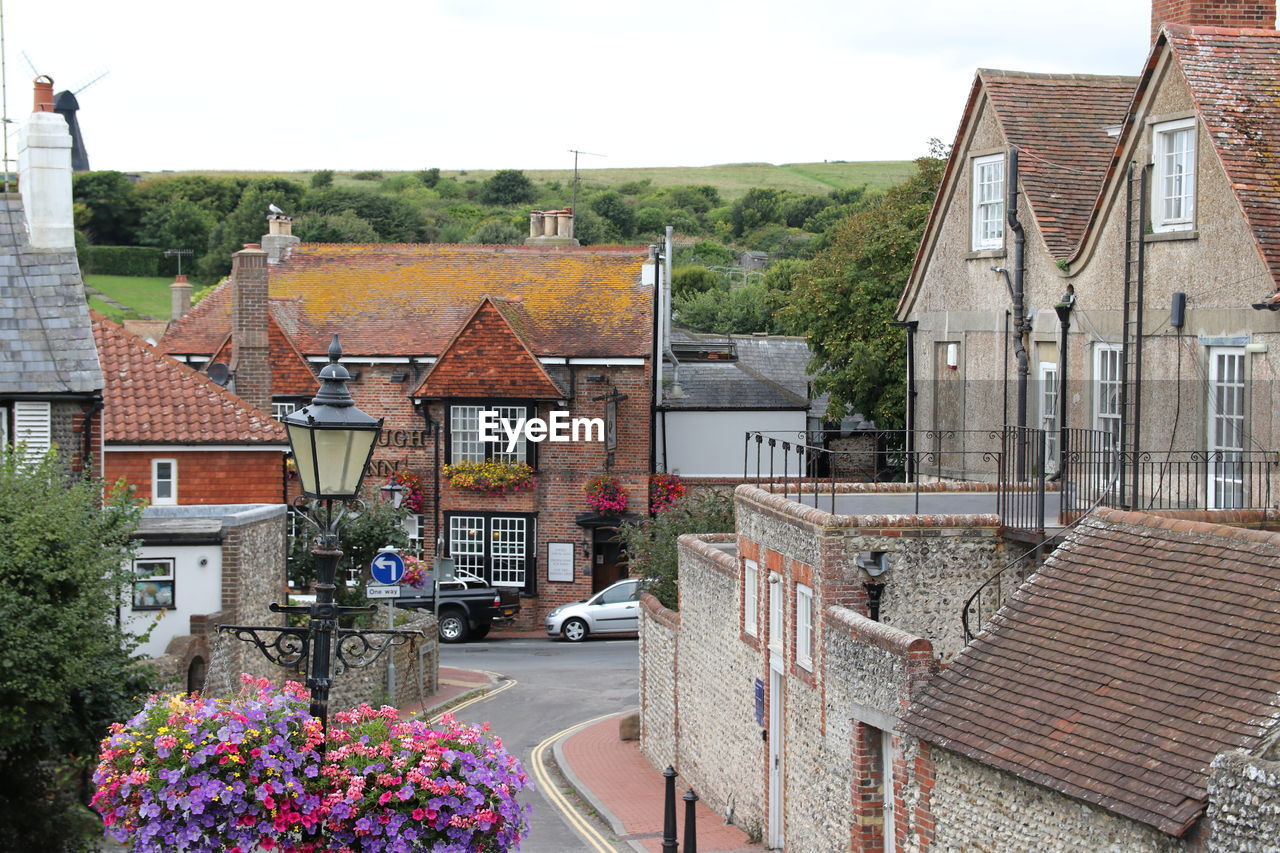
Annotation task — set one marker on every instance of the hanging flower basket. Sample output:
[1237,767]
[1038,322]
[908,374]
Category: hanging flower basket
[415,572]
[605,495]
[247,773]
[498,477]
[664,491]
[414,495]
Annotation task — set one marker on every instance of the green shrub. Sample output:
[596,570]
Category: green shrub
[651,544]
[122,260]
[367,176]
[322,179]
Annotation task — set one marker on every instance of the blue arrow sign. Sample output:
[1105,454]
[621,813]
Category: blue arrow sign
[387,568]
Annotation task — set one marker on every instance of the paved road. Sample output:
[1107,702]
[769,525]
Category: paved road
[558,684]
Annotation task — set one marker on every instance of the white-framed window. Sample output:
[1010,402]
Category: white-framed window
[1173,178]
[804,626]
[775,612]
[33,426]
[152,584]
[750,597]
[465,444]
[1049,414]
[1108,376]
[1226,427]
[496,547]
[413,525]
[164,482]
[988,202]
[279,410]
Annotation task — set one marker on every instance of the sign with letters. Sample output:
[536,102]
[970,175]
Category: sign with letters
[560,561]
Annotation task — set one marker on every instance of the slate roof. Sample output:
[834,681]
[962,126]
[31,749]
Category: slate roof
[46,346]
[1059,122]
[771,372]
[151,399]
[1234,77]
[395,299]
[489,357]
[1143,648]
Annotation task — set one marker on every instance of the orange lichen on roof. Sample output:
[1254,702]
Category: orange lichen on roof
[488,358]
[148,398]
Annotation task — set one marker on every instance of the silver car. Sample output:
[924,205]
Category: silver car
[614,610]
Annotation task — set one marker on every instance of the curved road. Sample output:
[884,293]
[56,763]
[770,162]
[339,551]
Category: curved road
[558,685]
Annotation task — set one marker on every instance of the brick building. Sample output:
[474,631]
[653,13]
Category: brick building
[436,335]
[176,437]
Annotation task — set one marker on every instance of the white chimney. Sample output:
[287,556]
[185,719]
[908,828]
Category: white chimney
[44,173]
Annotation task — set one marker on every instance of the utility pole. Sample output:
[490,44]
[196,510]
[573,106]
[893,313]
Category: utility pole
[575,152]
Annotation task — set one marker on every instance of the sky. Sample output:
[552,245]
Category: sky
[488,84]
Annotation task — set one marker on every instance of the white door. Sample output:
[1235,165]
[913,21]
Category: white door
[1226,427]
[1049,414]
[890,819]
[774,839]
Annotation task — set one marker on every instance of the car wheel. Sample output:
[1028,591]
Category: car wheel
[453,626]
[480,632]
[575,630]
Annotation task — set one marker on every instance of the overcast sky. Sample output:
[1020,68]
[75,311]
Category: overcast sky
[483,84]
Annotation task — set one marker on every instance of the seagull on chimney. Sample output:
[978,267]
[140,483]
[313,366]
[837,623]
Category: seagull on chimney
[271,208]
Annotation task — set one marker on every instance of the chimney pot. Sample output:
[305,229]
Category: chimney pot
[253,245]
[44,94]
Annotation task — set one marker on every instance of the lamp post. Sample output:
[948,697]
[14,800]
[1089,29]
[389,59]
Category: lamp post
[393,493]
[1063,310]
[332,442]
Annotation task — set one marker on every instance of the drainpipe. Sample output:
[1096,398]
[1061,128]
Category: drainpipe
[1019,272]
[1063,310]
[912,326]
[424,407]
[655,399]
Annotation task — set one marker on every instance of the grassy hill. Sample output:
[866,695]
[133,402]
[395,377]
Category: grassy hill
[731,179]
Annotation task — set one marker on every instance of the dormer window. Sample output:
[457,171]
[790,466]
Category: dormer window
[1173,185]
[988,202]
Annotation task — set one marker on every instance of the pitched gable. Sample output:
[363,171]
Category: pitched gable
[1142,649]
[149,398]
[291,375]
[489,358]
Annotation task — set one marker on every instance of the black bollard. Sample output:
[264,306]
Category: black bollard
[669,812]
[690,822]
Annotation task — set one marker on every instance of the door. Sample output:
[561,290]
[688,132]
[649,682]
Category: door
[1049,414]
[774,838]
[1226,427]
[616,609]
[890,818]
[608,560]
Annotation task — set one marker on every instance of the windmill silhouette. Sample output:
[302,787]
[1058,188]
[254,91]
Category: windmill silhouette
[66,105]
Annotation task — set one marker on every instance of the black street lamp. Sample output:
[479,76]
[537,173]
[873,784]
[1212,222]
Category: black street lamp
[332,442]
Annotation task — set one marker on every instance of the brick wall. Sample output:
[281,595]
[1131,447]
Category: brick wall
[68,421]
[253,576]
[207,476]
[250,355]
[1213,13]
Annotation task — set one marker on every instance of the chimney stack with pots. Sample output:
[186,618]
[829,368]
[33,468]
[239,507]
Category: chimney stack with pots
[249,349]
[179,298]
[1244,14]
[279,240]
[551,228]
[44,173]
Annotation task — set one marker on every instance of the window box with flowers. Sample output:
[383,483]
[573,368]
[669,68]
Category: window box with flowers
[490,476]
[605,495]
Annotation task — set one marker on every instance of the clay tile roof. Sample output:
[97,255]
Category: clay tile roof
[291,375]
[1060,121]
[1234,77]
[149,398]
[1142,649]
[391,299]
[489,357]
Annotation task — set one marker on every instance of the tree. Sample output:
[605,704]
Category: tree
[376,526]
[181,224]
[322,179]
[651,544]
[844,300]
[344,227]
[246,224]
[65,665]
[111,207]
[612,207]
[689,279]
[497,231]
[396,219]
[745,310]
[760,206]
[507,187]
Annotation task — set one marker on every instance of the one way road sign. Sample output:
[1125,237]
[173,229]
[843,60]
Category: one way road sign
[387,567]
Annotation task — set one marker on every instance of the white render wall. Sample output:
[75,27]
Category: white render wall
[44,168]
[197,590]
[710,444]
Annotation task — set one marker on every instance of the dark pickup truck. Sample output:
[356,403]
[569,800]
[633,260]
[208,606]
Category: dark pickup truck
[469,606]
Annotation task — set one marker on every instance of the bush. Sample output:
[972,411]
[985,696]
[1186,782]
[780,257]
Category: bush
[122,260]
[690,279]
[367,176]
[497,232]
[651,545]
[429,177]
[322,179]
[344,227]
[507,187]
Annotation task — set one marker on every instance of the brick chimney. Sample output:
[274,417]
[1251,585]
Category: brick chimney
[1248,14]
[44,173]
[249,354]
[279,240]
[179,297]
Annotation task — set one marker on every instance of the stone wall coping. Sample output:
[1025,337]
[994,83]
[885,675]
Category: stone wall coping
[231,515]
[1207,522]
[660,614]
[887,637]
[821,518]
[700,544]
